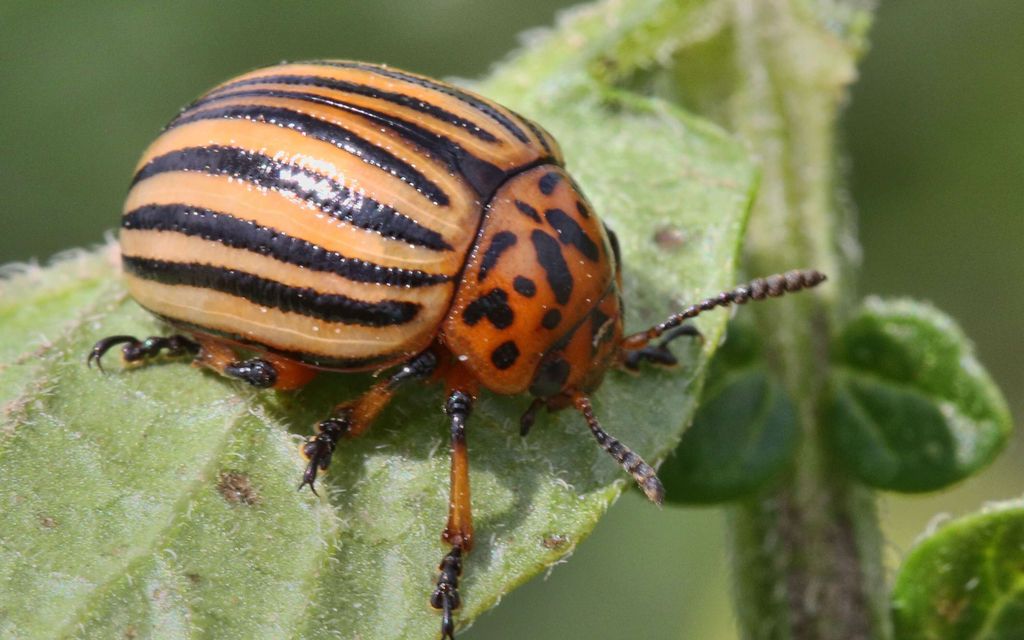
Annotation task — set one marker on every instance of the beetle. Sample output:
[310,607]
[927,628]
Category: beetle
[345,216]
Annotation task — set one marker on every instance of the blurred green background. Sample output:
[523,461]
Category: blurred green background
[934,136]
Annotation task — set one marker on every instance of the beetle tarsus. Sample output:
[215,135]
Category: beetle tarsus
[135,350]
[446,594]
[319,448]
[660,354]
[256,371]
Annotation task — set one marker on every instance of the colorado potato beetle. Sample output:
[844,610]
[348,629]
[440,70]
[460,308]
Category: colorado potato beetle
[344,216]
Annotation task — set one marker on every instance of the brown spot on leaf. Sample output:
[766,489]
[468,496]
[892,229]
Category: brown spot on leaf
[669,238]
[555,541]
[236,488]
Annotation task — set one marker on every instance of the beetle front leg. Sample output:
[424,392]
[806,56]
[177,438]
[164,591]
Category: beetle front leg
[659,354]
[459,530]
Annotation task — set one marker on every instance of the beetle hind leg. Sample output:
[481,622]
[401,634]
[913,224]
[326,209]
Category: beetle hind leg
[135,350]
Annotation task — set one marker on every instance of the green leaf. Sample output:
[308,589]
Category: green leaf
[163,498]
[744,433]
[966,580]
[912,409]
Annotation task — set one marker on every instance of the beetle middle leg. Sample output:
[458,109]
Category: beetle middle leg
[264,372]
[351,419]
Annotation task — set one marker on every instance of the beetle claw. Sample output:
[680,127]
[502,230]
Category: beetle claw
[106,344]
[135,350]
[446,594]
[319,448]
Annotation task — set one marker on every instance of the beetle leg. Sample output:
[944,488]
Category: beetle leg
[659,354]
[642,473]
[135,350]
[351,419]
[264,372]
[459,530]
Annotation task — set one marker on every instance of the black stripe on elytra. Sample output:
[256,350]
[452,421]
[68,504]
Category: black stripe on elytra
[481,175]
[537,131]
[582,208]
[447,89]
[270,293]
[548,182]
[571,233]
[328,132]
[501,241]
[493,305]
[527,210]
[245,234]
[616,250]
[318,190]
[400,99]
[505,355]
[549,255]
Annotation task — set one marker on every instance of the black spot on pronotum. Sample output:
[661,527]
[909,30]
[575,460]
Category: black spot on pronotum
[499,243]
[549,255]
[493,305]
[527,210]
[548,182]
[505,355]
[571,233]
[551,319]
[524,286]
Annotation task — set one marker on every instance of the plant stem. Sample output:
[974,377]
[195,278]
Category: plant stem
[807,553]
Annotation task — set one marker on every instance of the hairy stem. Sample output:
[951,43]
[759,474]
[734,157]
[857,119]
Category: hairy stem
[807,554]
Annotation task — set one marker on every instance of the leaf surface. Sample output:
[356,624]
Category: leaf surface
[912,409]
[966,580]
[160,500]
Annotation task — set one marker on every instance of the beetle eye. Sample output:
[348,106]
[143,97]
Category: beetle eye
[550,377]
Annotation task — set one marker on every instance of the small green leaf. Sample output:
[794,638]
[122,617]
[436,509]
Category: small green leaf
[912,409]
[966,581]
[744,433]
[163,498]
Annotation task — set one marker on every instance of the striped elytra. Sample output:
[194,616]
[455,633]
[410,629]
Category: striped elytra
[323,211]
[349,216]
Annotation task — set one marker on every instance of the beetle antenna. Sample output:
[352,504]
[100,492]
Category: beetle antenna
[642,472]
[759,289]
